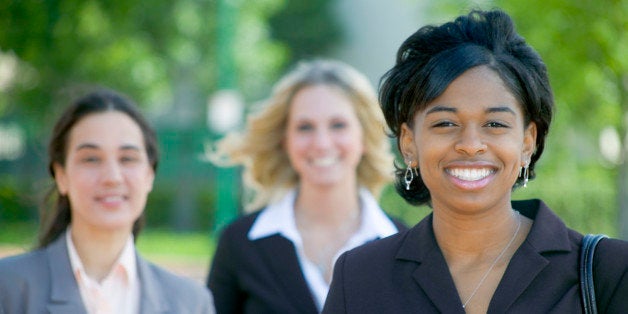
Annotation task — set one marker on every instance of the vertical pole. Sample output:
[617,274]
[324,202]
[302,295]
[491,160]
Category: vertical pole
[225,180]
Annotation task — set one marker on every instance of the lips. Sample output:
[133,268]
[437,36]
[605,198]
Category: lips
[470,174]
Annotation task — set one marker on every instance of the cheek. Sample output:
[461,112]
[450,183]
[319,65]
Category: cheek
[80,180]
[141,178]
[353,140]
[297,147]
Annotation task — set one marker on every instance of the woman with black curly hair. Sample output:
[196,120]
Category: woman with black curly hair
[470,105]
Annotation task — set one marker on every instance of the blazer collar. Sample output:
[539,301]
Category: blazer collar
[65,296]
[548,234]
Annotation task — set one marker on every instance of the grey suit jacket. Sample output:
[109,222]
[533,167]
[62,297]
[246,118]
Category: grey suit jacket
[42,281]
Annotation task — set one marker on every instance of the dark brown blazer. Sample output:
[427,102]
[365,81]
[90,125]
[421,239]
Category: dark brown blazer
[407,273]
[259,276]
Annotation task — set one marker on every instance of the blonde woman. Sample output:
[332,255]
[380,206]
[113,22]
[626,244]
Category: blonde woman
[315,160]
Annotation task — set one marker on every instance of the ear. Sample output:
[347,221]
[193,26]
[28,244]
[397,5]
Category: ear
[407,146]
[150,179]
[61,179]
[529,143]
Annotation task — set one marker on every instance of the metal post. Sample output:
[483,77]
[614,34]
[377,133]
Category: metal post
[226,191]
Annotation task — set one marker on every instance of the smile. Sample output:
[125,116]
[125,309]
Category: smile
[324,162]
[470,174]
[112,199]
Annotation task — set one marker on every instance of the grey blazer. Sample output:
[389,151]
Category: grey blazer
[42,281]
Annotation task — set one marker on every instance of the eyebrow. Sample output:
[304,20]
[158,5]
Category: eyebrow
[94,146]
[436,109]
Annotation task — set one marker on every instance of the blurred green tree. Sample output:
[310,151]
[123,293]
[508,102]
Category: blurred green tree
[308,28]
[160,52]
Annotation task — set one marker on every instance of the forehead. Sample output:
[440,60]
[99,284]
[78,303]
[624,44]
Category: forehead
[106,128]
[478,88]
[318,101]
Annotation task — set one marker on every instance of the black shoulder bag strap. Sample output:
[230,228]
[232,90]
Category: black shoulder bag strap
[589,242]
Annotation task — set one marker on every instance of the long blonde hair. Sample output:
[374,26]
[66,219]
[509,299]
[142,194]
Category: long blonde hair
[259,148]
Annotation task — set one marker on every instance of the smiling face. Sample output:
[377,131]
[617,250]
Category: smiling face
[324,138]
[470,143]
[107,175]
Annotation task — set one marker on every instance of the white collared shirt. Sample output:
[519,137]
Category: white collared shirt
[278,218]
[118,292]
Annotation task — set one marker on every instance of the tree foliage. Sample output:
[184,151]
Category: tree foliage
[308,28]
[155,51]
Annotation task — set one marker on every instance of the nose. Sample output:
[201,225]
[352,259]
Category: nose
[112,173]
[470,142]
[322,139]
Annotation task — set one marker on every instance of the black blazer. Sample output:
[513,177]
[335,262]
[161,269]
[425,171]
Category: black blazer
[260,276]
[407,273]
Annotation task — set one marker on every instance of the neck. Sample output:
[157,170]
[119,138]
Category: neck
[98,250]
[331,207]
[459,234]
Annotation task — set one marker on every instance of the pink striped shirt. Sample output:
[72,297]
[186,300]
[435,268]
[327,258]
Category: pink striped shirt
[118,292]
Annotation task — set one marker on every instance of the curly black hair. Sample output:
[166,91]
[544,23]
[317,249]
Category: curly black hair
[431,58]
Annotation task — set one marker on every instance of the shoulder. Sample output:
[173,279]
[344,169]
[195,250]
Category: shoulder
[610,264]
[23,279]
[180,292]
[21,267]
[241,226]
[375,253]
[612,255]
[401,225]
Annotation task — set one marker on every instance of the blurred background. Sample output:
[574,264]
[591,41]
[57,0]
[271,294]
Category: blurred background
[197,66]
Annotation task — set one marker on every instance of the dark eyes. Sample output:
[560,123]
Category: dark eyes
[90,159]
[305,127]
[494,124]
[127,159]
[490,124]
[123,159]
[338,125]
[443,124]
[310,127]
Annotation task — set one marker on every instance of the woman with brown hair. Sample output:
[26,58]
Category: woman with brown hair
[103,157]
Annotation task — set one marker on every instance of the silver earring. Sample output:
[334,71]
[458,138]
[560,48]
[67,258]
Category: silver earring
[525,175]
[408,176]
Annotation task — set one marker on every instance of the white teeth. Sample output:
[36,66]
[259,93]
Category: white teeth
[324,162]
[472,174]
[112,199]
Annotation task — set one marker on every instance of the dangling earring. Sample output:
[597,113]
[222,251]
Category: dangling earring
[408,176]
[525,175]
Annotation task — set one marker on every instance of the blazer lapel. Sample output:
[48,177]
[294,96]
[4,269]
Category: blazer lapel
[548,234]
[281,256]
[152,296]
[524,267]
[431,273]
[65,296]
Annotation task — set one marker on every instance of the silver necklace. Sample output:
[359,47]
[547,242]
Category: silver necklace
[495,261]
